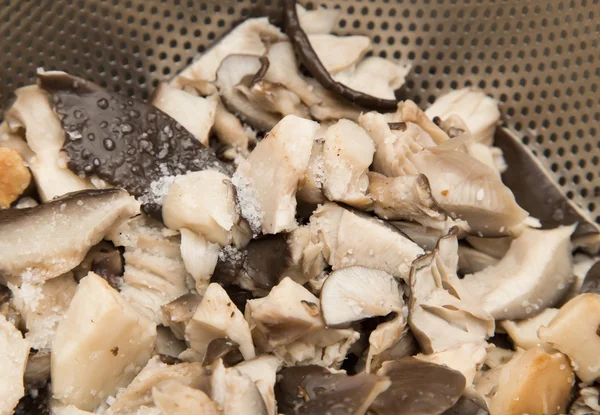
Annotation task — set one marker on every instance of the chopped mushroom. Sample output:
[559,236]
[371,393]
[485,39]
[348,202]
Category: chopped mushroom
[179,312]
[337,53]
[37,371]
[224,349]
[235,392]
[216,316]
[105,260]
[574,331]
[418,387]
[263,370]
[534,274]
[591,283]
[390,340]
[533,382]
[99,346]
[61,232]
[443,313]
[355,293]
[13,358]
[199,257]
[313,390]
[196,114]
[471,260]
[284,153]
[14,176]
[588,402]
[204,202]
[168,346]
[524,333]
[466,359]
[319,21]
[173,398]
[352,238]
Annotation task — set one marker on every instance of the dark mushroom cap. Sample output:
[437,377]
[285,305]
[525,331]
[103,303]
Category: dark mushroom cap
[126,142]
[591,283]
[314,390]
[223,348]
[418,388]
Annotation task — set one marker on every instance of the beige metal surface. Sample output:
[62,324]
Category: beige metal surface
[539,58]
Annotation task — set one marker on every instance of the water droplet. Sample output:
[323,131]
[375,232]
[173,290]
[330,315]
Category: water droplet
[167,130]
[151,116]
[102,103]
[74,135]
[103,124]
[91,137]
[122,106]
[78,114]
[109,144]
[130,103]
[134,114]
[88,168]
[96,162]
[85,153]
[126,128]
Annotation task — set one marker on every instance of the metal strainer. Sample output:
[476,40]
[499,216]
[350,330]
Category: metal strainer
[540,59]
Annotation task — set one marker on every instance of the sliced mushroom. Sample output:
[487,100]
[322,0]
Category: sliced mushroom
[216,316]
[42,306]
[304,390]
[37,371]
[534,274]
[532,382]
[318,21]
[588,402]
[45,138]
[524,333]
[179,312]
[230,131]
[390,340]
[125,142]
[418,387]
[99,346]
[139,392]
[591,283]
[466,359]
[199,256]
[351,238]
[168,346]
[337,53]
[284,153]
[224,349]
[58,408]
[574,331]
[154,270]
[173,398]
[375,76]
[105,260]
[479,112]
[50,239]
[13,358]
[250,37]
[235,392]
[405,198]
[263,370]
[288,323]
[14,176]
[426,238]
[355,293]
[204,203]
[328,107]
[497,356]
[443,313]
[471,403]
[347,155]
[471,260]
[196,114]
[494,247]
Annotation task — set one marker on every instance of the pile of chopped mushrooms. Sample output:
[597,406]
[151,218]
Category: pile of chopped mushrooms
[279,231]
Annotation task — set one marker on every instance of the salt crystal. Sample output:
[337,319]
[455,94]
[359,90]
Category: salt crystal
[248,202]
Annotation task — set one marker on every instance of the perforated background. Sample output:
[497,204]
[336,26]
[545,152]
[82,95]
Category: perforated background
[539,58]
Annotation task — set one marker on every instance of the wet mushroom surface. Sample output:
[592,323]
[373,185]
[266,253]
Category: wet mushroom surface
[277,232]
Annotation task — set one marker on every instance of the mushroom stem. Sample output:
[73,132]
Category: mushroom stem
[315,67]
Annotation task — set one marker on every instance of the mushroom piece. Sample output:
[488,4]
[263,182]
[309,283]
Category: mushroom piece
[534,274]
[204,203]
[230,132]
[173,398]
[99,346]
[127,143]
[443,312]
[405,198]
[45,139]
[355,293]
[351,238]
[154,270]
[225,349]
[418,387]
[105,260]
[319,21]
[574,331]
[196,114]
[524,333]
[235,392]
[471,260]
[494,247]
[263,370]
[168,346]
[179,312]
[588,402]
[250,37]
[37,371]
[347,154]
[469,404]
[289,324]
[466,359]
[13,358]
[61,232]
[497,356]
[540,194]
[533,382]
[139,392]
[314,390]
[216,316]
[42,306]
[426,238]
[270,206]
[388,341]
[591,283]
[479,112]
[14,176]
[337,53]
[199,257]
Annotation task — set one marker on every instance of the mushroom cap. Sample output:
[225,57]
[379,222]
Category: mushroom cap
[591,283]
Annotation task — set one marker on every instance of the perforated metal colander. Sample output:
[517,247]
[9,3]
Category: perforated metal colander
[540,59]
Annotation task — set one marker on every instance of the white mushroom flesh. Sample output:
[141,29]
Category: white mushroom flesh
[524,333]
[199,257]
[14,350]
[318,21]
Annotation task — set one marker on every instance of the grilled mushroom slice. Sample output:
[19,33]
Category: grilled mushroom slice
[534,274]
[418,387]
[574,331]
[99,346]
[61,233]
[304,390]
[270,206]
[13,359]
